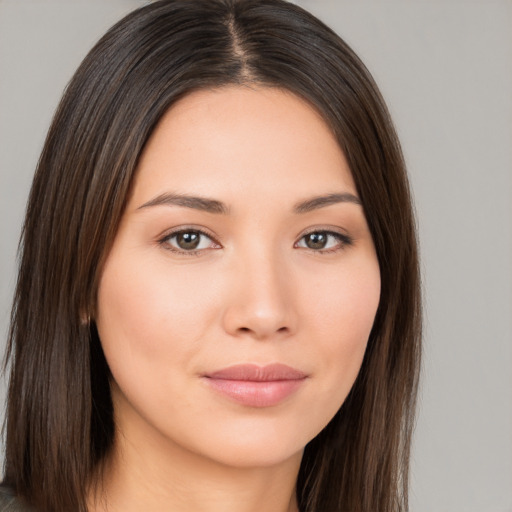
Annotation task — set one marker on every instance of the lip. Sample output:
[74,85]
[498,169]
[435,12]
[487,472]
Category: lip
[256,386]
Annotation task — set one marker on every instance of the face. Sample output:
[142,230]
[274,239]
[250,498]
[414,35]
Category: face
[236,303]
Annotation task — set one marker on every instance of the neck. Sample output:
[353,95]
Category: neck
[164,477]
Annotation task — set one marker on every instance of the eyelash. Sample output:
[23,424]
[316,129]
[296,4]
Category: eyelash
[164,241]
[343,239]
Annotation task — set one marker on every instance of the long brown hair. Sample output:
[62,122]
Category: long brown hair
[59,425]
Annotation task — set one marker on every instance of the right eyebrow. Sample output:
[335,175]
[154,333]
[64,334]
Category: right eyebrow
[205,204]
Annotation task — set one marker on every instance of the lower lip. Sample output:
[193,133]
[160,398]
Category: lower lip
[256,393]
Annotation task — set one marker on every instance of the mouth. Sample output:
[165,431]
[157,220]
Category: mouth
[256,386]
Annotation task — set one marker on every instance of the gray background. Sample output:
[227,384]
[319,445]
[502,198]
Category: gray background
[445,68]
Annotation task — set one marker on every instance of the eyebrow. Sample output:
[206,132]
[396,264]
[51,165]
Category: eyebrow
[195,202]
[322,201]
[214,206]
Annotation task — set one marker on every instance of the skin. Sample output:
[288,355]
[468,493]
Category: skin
[253,292]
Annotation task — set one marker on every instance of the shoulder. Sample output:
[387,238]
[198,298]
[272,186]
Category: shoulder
[10,503]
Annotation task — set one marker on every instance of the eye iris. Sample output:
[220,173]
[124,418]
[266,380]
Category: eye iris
[316,240]
[188,240]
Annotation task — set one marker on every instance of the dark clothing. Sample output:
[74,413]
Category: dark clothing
[10,503]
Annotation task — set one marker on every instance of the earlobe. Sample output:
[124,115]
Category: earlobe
[85,318]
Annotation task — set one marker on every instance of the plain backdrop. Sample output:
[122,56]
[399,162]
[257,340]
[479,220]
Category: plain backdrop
[445,69]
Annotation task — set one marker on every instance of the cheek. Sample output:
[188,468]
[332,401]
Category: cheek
[343,312]
[147,316]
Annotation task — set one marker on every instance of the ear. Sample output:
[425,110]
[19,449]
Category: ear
[85,318]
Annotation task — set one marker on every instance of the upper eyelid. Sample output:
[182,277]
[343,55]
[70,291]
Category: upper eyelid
[325,229]
[339,233]
[183,229]
[205,231]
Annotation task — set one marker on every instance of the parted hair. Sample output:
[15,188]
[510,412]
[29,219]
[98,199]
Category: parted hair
[59,424]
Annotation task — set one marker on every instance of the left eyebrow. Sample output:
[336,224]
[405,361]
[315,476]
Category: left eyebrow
[323,201]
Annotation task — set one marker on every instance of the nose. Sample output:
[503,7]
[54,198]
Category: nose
[261,301]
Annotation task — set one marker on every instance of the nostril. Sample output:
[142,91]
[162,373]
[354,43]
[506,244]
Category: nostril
[249,330]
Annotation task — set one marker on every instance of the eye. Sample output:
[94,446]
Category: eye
[188,241]
[324,241]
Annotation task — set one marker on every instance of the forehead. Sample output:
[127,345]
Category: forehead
[234,139]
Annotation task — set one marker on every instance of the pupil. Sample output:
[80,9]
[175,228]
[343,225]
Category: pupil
[188,240]
[316,240]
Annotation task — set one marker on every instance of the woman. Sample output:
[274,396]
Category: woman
[218,299]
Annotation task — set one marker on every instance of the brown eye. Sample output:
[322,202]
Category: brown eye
[324,241]
[188,240]
[316,240]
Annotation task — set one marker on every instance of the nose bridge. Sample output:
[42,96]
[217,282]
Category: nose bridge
[260,304]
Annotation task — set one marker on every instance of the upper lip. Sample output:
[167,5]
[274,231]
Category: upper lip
[256,373]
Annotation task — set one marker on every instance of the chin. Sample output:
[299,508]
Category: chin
[251,444]
[253,456]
